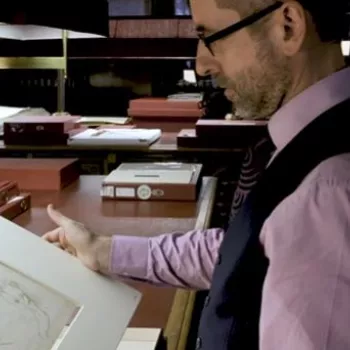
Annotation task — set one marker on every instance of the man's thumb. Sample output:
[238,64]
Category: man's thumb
[58,218]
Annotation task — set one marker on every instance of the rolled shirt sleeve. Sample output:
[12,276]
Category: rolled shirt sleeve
[184,260]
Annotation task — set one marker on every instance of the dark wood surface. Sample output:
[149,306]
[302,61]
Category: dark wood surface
[161,307]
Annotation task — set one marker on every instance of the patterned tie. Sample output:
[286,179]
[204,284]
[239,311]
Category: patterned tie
[254,162]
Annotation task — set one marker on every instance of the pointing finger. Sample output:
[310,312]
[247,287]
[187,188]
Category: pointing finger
[58,218]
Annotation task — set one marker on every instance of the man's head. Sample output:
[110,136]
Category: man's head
[262,65]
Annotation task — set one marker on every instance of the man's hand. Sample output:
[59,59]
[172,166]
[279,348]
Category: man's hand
[72,236]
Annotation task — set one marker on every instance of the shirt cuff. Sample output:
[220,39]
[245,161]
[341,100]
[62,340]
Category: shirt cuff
[129,256]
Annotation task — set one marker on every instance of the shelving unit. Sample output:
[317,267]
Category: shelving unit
[159,51]
[58,63]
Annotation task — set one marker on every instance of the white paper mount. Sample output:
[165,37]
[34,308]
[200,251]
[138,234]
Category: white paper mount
[42,289]
[120,137]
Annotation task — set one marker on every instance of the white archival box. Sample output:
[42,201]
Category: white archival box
[140,339]
[43,289]
[173,173]
[122,137]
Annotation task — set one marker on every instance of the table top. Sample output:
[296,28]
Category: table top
[161,307]
[81,201]
[167,143]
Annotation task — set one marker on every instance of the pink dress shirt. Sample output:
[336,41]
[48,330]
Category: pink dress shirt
[306,295]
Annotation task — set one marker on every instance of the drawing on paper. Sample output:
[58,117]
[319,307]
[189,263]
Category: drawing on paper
[32,315]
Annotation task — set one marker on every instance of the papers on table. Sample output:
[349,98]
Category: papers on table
[186,97]
[103,120]
[120,137]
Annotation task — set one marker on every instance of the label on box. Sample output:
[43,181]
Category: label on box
[144,192]
[125,192]
[107,191]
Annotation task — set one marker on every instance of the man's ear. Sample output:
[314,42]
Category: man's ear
[292,27]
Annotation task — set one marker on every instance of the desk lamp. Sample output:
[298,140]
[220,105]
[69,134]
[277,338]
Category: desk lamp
[48,20]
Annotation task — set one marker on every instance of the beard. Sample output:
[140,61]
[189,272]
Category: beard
[258,91]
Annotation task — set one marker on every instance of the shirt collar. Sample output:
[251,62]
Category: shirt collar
[294,116]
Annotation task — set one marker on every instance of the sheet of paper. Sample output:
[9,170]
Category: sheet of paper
[39,321]
[104,120]
[6,111]
[123,137]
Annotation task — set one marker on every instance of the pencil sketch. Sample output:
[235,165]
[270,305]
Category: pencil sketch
[32,315]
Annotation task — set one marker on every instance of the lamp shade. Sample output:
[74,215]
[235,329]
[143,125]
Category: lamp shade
[39,19]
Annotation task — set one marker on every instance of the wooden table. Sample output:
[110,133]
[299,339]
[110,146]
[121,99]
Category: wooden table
[161,307]
[98,160]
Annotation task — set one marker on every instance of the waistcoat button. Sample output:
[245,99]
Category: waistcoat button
[198,343]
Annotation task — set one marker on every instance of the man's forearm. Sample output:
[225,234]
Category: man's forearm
[179,259]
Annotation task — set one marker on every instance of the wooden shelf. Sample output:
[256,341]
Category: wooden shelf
[118,48]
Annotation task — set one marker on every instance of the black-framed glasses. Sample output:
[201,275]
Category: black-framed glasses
[239,25]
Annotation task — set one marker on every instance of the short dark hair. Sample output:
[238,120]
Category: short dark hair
[330,18]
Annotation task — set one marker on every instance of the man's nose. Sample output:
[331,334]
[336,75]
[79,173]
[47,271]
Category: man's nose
[206,63]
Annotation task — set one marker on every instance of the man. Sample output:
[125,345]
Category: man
[284,64]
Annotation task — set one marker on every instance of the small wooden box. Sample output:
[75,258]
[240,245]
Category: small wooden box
[39,124]
[16,206]
[40,173]
[169,115]
[153,182]
[8,190]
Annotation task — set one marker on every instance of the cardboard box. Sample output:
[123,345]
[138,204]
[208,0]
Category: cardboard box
[153,181]
[40,173]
